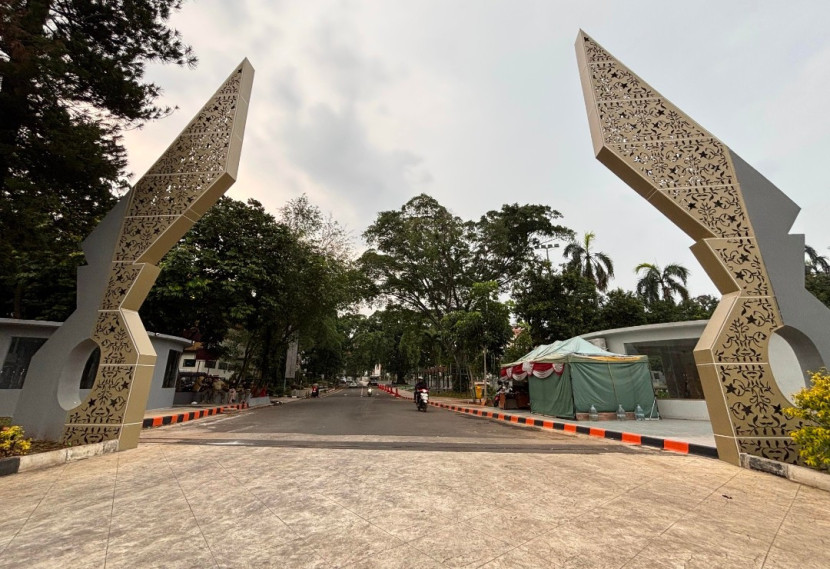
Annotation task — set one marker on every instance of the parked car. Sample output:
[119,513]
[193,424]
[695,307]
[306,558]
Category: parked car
[373,381]
[352,384]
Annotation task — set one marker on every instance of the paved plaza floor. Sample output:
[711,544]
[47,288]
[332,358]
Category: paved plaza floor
[190,497]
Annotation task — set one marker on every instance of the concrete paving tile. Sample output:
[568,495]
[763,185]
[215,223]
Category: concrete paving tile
[585,547]
[458,546]
[59,545]
[557,505]
[750,521]
[805,525]
[8,529]
[408,523]
[261,526]
[64,526]
[296,554]
[812,503]
[519,559]
[514,525]
[638,518]
[232,503]
[257,545]
[180,546]
[456,507]
[672,552]
[402,557]
[319,517]
[369,504]
[710,534]
[74,560]
[21,505]
[350,545]
[798,554]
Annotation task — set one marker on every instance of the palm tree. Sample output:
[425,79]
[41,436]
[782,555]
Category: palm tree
[594,266]
[814,263]
[657,284]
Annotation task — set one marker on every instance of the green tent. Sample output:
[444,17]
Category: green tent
[568,377]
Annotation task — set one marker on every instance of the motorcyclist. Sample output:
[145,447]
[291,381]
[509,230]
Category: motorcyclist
[418,386]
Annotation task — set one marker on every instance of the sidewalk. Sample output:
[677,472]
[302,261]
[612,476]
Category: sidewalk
[676,435]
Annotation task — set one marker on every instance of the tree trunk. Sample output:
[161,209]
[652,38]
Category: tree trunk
[246,358]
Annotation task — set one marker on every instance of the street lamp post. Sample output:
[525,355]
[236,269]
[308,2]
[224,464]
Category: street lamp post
[547,247]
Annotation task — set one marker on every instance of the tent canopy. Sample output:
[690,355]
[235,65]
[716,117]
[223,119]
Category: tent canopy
[561,350]
[568,377]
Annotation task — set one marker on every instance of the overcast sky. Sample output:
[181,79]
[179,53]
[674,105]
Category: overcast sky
[363,104]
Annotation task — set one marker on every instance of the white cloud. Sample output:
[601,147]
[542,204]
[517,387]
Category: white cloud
[362,104]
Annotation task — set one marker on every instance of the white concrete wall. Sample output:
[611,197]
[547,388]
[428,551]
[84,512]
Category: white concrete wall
[617,338]
[785,366]
[691,409]
[159,397]
[10,328]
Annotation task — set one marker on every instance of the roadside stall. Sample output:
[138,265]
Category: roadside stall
[566,378]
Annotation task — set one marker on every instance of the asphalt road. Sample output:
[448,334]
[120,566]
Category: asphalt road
[350,419]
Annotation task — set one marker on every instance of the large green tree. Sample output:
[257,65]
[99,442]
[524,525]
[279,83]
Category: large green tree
[424,258]
[72,78]
[240,268]
[557,306]
[621,309]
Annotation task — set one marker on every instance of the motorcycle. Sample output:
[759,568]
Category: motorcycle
[422,399]
[504,388]
[369,392]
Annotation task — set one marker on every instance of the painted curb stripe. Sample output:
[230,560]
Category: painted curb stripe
[630,438]
[162,420]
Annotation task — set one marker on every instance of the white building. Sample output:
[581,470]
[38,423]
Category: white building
[677,384]
[20,339]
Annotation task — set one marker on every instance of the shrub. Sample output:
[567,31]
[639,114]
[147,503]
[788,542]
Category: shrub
[813,405]
[12,442]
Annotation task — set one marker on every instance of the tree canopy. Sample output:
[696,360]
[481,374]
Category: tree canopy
[239,268]
[425,259]
[72,79]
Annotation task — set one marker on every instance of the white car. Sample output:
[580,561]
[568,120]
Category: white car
[352,384]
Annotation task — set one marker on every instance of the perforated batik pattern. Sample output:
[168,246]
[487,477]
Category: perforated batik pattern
[670,153]
[154,220]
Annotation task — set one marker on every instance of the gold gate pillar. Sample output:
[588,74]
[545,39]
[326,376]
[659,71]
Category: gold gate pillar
[122,255]
[740,222]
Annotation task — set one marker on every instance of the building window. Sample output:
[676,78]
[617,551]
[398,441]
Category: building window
[189,363]
[17,361]
[210,364]
[171,370]
[675,360]
[91,369]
